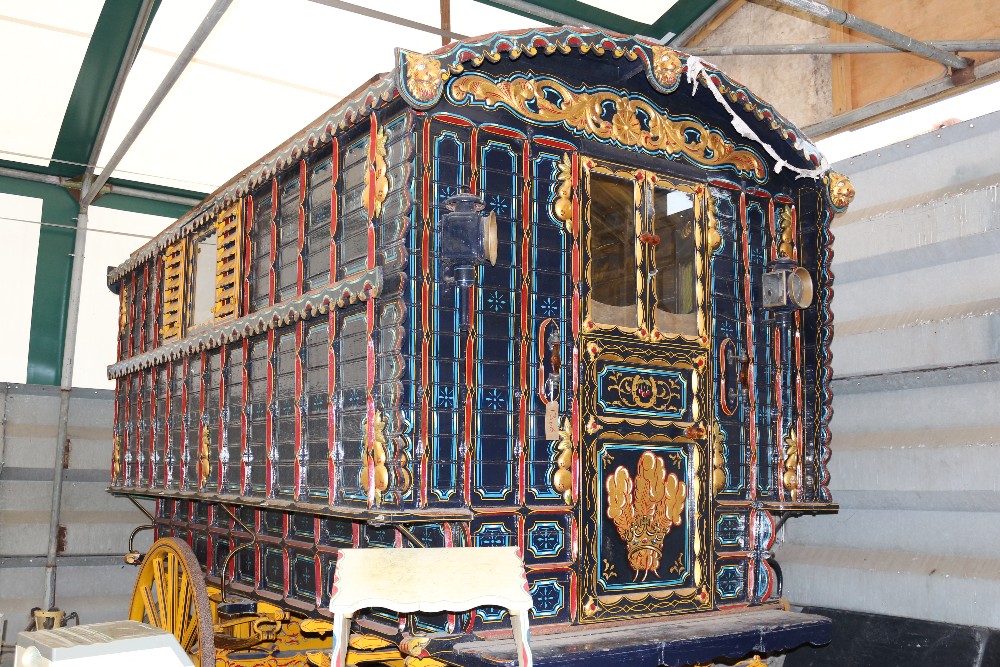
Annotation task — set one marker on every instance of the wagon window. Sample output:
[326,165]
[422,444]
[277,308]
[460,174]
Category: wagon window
[287,242]
[204,261]
[352,246]
[260,254]
[316,259]
[675,254]
[612,251]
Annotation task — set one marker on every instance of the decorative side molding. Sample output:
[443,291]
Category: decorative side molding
[360,287]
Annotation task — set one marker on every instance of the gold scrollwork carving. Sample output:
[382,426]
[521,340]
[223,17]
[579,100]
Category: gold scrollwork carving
[423,76]
[584,111]
[377,182]
[375,479]
[116,459]
[562,476]
[562,205]
[839,190]
[204,457]
[667,66]
[643,391]
[790,465]
[645,510]
[123,309]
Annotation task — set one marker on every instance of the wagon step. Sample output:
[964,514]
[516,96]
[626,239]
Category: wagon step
[652,643]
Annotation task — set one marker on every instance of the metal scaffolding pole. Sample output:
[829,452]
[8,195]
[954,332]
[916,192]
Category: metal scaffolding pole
[390,18]
[185,57]
[821,48]
[125,191]
[703,19]
[879,32]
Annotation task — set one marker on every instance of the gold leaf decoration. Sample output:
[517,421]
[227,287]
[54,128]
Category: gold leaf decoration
[784,224]
[375,475]
[645,510]
[790,465]
[116,459]
[562,476]
[839,190]
[635,123]
[377,180]
[562,205]
[423,76]
[204,457]
[667,66]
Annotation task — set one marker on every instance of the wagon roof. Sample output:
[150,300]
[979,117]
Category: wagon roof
[667,70]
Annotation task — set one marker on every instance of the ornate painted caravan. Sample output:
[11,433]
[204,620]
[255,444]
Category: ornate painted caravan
[557,289]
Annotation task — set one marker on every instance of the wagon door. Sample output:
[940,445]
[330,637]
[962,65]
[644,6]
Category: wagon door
[643,396]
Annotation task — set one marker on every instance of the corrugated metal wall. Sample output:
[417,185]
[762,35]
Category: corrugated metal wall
[90,575]
[916,357]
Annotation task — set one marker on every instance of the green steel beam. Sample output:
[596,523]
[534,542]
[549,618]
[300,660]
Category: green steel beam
[52,276]
[94,85]
[75,143]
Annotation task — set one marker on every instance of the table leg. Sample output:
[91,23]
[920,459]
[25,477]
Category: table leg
[341,638]
[519,623]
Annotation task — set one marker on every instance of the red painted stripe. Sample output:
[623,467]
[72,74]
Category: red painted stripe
[298,415]
[370,365]
[558,144]
[453,120]
[269,489]
[331,378]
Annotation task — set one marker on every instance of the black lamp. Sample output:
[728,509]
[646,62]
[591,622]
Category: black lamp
[468,240]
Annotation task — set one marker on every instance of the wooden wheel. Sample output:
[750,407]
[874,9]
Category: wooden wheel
[170,594]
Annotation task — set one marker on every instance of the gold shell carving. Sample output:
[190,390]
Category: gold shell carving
[583,112]
[423,76]
[839,190]
[667,66]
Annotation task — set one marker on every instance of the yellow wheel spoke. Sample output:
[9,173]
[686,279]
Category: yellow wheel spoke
[182,610]
[154,618]
[170,594]
[159,586]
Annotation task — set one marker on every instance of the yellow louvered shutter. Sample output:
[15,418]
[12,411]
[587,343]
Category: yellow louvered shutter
[174,268]
[229,230]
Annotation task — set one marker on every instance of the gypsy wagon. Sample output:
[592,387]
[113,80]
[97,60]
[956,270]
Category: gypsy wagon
[555,289]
